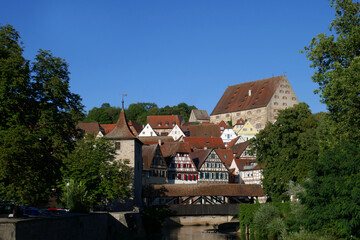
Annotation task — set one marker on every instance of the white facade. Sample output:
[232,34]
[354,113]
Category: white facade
[176,133]
[182,170]
[147,131]
[228,135]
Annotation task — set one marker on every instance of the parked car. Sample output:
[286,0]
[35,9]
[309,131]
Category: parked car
[6,208]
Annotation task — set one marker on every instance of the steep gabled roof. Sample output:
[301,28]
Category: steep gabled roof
[121,130]
[148,152]
[237,98]
[238,149]
[135,127]
[199,157]
[232,142]
[202,142]
[92,128]
[202,130]
[201,114]
[164,121]
[240,122]
[225,155]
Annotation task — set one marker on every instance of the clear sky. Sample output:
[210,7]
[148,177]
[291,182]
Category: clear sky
[172,51]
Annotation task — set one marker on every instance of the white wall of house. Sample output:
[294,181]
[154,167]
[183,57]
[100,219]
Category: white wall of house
[228,135]
[176,133]
[147,131]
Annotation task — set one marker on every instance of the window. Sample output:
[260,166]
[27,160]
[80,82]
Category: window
[117,145]
[284,97]
[275,103]
[207,175]
[217,117]
[276,96]
[244,129]
[227,115]
[212,156]
[159,124]
[284,104]
[294,98]
[258,111]
[217,175]
[275,110]
[201,175]
[281,85]
[258,126]
[287,92]
[249,113]
[259,118]
[281,91]
[166,123]
[237,114]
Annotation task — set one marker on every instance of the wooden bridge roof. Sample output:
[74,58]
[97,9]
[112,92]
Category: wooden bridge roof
[187,190]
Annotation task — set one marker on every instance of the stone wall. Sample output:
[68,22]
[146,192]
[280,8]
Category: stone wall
[75,227]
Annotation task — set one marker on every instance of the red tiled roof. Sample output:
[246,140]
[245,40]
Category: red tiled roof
[169,149]
[108,127]
[187,190]
[238,149]
[232,142]
[163,121]
[236,98]
[240,122]
[202,142]
[202,130]
[93,128]
[135,127]
[225,155]
[242,162]
[155,139]
[121,129]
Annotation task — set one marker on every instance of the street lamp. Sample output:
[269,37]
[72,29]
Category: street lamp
[67,195]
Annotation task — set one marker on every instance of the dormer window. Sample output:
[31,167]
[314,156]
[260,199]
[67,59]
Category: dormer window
[167,124]
[174,123]
[159,124]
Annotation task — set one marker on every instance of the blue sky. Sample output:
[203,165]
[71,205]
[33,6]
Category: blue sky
[172,51]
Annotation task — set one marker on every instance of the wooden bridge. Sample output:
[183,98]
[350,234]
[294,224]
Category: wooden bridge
[202,199]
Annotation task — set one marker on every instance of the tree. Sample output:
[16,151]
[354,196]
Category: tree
[332,198]
[282,147]
[336,60]
[92,163]
[104,115]
[39,115]
[332,192]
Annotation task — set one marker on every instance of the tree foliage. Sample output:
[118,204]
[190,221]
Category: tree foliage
[286,148]
[92,163]
[136,112]
[332,199]
[105,114]
[332,192]
[336,60]
[38,119]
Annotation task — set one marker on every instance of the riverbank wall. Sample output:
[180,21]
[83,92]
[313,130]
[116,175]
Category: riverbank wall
[123,225]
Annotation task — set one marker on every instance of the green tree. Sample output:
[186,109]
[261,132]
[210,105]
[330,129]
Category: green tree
[336,60]
[332,199]
[92,163]
[39,115]
[104,115]
[282,148]
[76,197]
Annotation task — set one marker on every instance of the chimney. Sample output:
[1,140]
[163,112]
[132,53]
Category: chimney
[249,92]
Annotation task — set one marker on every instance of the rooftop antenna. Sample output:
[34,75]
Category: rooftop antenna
[123,107]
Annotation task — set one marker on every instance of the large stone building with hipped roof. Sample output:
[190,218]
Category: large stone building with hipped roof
[257,102]
[128,148]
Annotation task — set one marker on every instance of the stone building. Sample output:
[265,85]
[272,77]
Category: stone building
[128,148]
[257,101]
[199,116]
